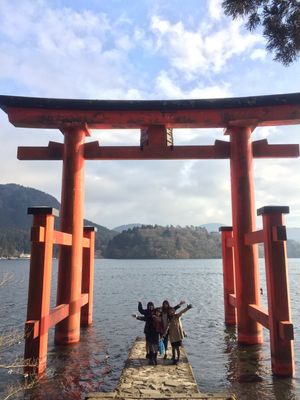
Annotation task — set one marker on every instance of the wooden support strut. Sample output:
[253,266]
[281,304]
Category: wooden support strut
[54,151]
[156,152]
[40,318]
[228,275]
[88,276]
[281,328]
[277,318]
[262,149]
[220,150]
[38,307]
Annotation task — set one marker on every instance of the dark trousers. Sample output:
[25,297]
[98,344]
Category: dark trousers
[166,340]
[176,350]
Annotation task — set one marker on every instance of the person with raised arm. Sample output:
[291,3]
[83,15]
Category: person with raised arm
[152,332]
[165,308]
[176,332]
[146,312]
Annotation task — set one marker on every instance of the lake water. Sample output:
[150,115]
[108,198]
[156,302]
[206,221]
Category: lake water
[95,364]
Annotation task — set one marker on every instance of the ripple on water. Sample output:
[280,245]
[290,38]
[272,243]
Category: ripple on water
[95,363]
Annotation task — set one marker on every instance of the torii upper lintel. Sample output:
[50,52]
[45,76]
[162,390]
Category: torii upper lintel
[282,109]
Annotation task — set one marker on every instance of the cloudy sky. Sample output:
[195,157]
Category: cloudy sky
[146,49]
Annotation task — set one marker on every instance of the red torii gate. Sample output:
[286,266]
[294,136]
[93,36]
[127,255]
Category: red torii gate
[156,119]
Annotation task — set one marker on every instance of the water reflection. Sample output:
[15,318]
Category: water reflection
[249,372]
[75,370]
[243,361]
[284,389]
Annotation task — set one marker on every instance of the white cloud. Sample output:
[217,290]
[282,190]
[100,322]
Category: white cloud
[79,52]
[258,54]
[201,52]
[124,43]
[215,9]
[275,185]
[116,137]
[264,132]
[140,192]
[169,87]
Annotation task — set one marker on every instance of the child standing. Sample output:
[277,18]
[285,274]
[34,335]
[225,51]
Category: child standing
[176,332]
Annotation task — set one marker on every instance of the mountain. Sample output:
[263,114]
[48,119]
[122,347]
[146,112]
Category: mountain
[14,201]
[293,234]
[212,227]
[158,242]
[134,241]
[15,223]
[122,228]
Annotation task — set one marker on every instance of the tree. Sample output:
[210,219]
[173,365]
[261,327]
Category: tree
[280,21]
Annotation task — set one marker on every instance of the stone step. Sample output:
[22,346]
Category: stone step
[139,380]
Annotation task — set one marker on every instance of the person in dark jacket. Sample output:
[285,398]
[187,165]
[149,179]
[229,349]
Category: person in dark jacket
[147,313]
[152,332]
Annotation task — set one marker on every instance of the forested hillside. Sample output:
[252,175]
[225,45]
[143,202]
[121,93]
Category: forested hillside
[15,223]
[164,242]
[138,242]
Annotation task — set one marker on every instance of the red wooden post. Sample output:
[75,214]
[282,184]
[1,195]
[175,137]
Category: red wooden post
[88,275]
[70,259]
[280,325]
[243,216]
[228,275]
[36,327]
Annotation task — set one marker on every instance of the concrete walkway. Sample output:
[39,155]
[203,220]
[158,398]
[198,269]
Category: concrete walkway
[140,380]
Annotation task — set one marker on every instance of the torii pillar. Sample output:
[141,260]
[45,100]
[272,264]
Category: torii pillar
[243,218]
[70,258]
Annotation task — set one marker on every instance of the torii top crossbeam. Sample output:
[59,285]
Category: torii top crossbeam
[283,109]
[155,118]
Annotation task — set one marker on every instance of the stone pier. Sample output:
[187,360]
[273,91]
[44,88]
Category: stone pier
[140,380]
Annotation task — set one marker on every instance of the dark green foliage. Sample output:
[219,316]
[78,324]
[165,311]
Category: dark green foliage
[280,21]
[15,224]
[13,242]
[157,242]
[164,242]
[103,236]
[146,241]
[293,249]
